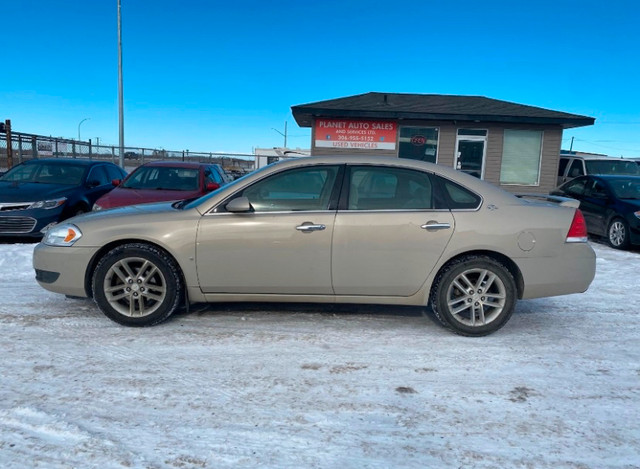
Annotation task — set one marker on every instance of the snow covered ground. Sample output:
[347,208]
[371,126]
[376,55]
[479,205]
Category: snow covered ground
[320,387]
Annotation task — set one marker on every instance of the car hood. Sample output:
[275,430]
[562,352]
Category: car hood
[156,222]
[131,210]
[121,196]
[31,191]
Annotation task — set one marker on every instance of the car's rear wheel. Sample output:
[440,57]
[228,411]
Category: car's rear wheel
[618,234]
[137,285]
[474,295]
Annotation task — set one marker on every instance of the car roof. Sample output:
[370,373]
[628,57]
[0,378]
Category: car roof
[74,161]
[176,164]
[613,177]
[594,157]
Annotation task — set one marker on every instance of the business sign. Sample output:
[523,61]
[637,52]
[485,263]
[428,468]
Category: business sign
[354,134]
[45,148]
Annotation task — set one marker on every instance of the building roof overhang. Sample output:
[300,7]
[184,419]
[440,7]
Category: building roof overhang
[395,106]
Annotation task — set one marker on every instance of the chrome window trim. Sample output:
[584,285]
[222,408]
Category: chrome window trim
[280,212]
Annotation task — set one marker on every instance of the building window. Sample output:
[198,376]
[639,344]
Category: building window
[521,155]
[419,143]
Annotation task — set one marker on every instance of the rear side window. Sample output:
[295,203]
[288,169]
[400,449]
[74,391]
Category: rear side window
[456,197]
[387,188]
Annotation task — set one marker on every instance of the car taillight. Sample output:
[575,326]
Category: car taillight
[578,230]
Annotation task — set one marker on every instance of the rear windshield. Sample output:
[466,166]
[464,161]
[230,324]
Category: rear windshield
[612,167]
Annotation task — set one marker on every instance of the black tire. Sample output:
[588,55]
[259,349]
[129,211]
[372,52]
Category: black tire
[618,234]
[483,306]
[137,285]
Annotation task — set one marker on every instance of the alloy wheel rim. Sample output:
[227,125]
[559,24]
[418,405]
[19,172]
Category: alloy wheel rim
[476,297]
[616,233]
[135,287]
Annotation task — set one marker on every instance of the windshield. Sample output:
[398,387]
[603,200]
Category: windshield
[46,173]
[612,167]
[624,188]
[165,178]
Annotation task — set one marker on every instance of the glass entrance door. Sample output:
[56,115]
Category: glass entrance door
[470,151]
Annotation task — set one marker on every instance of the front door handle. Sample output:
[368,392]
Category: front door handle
[434,225]
[308,227]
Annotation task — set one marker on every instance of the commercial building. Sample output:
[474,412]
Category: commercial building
[512,145]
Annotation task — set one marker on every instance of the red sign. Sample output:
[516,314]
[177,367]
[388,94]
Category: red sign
[418,140]
[354,134]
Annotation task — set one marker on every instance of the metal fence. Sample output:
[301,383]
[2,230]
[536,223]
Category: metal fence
[28,146]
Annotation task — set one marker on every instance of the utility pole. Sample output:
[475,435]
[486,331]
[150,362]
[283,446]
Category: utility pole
[283,134]
[571,146]
[120,92]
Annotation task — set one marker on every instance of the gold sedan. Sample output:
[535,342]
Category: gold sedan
[327,230]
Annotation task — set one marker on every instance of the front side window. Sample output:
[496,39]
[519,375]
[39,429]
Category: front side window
[521,156]
[381,188]
[418,143]
[576,169]
[98,174]
[294,190]
[114,172]
[212,176]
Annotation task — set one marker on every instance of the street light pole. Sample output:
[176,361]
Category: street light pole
[79,124]
[120,92]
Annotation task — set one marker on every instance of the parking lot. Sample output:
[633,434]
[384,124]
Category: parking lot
[317,386]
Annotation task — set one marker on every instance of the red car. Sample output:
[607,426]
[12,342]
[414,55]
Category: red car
[161,181]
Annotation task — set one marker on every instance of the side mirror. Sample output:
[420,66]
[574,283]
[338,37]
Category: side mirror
[212,186]
[116,182]
[239,205]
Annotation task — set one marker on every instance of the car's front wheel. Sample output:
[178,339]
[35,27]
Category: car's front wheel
[137,285]
[618,234]
[474,295]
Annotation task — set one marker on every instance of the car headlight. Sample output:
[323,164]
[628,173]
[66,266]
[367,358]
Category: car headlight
[96,207]
[637,214]
[48,204]
[62,235]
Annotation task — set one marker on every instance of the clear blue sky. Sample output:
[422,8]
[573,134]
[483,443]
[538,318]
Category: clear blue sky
[220,75]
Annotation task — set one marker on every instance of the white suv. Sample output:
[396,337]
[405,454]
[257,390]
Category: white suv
[572,166]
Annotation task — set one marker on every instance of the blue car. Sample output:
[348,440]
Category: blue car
[39,192]
[610,204]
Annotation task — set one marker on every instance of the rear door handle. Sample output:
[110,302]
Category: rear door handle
[308,228]
[434,225]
